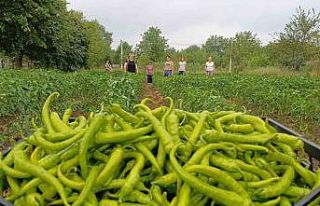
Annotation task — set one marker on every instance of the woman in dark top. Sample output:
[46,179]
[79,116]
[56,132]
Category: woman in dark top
[131,65]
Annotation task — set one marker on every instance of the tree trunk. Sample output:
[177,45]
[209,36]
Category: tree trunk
[19,59]
[30,64]
[13,63]
[2,63]
[293,57]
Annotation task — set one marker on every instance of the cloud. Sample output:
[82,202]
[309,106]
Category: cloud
[186,22]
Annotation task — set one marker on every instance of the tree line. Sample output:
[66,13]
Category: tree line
[296,46]
[44,33]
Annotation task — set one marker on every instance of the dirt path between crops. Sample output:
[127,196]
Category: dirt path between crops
[9,139]
[149,91]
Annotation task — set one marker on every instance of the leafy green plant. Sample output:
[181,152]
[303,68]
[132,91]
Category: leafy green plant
[22,93]
[294,100]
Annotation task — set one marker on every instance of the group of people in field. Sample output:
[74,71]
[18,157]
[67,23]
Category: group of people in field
[131,66]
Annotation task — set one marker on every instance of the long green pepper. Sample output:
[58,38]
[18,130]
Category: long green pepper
[86,143]
[22,162]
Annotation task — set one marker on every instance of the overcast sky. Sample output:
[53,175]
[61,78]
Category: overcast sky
[186,22]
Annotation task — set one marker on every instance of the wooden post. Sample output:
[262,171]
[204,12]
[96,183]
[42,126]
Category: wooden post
[121,54]
[230,58]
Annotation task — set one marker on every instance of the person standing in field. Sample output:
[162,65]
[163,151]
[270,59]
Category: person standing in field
[149,72]
[209,67]
[108,66]
[182,66]
[168,67]
[131,66]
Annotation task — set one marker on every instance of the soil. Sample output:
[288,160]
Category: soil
[4,122]
[78,113]
[149,91]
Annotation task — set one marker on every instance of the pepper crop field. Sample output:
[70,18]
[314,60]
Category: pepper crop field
[22,94]
[293,101]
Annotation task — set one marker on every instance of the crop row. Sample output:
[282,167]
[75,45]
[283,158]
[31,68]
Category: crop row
[292,99]
[22,93]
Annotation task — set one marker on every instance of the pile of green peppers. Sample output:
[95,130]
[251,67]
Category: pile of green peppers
[156,157]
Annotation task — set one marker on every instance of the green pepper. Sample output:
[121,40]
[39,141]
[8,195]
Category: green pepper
[57,124]
[258,124]
[88,187]
[13,183]
[290,140]
[184,195]
[22,162]
[308,176]
[66,115]
[116,108]
[187,149]
[46,112]
[42,142]
[277,188]
[160,130]
[34,199]
[87,141]
[240,128]
[220,195]
[122,136]
[133,177]
[114,162]
[214,136]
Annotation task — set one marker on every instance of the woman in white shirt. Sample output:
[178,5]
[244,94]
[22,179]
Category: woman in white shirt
[209,68]
[182,66]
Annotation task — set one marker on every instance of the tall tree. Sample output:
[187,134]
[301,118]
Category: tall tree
[24,25]
[243,47]
[300,35]
[216,46]
[68,48]
[99,43]
[76,49]
[194,54]
[44,31]
[153,45]
[126,49]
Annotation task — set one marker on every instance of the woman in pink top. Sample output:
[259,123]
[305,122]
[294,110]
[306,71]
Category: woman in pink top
[149,71]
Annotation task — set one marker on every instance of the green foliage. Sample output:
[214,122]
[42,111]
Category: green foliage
[153,45]
[72,50]
[217,46]
[259,60]
[27,27]
[299,42]
[50,35]
[295,98]
[194,54]
[99,44]
[245,50]
[126,48]
[297,45]
[22,93]
[244,47]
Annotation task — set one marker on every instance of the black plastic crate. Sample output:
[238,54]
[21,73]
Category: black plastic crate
[313,151]
[311,148]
